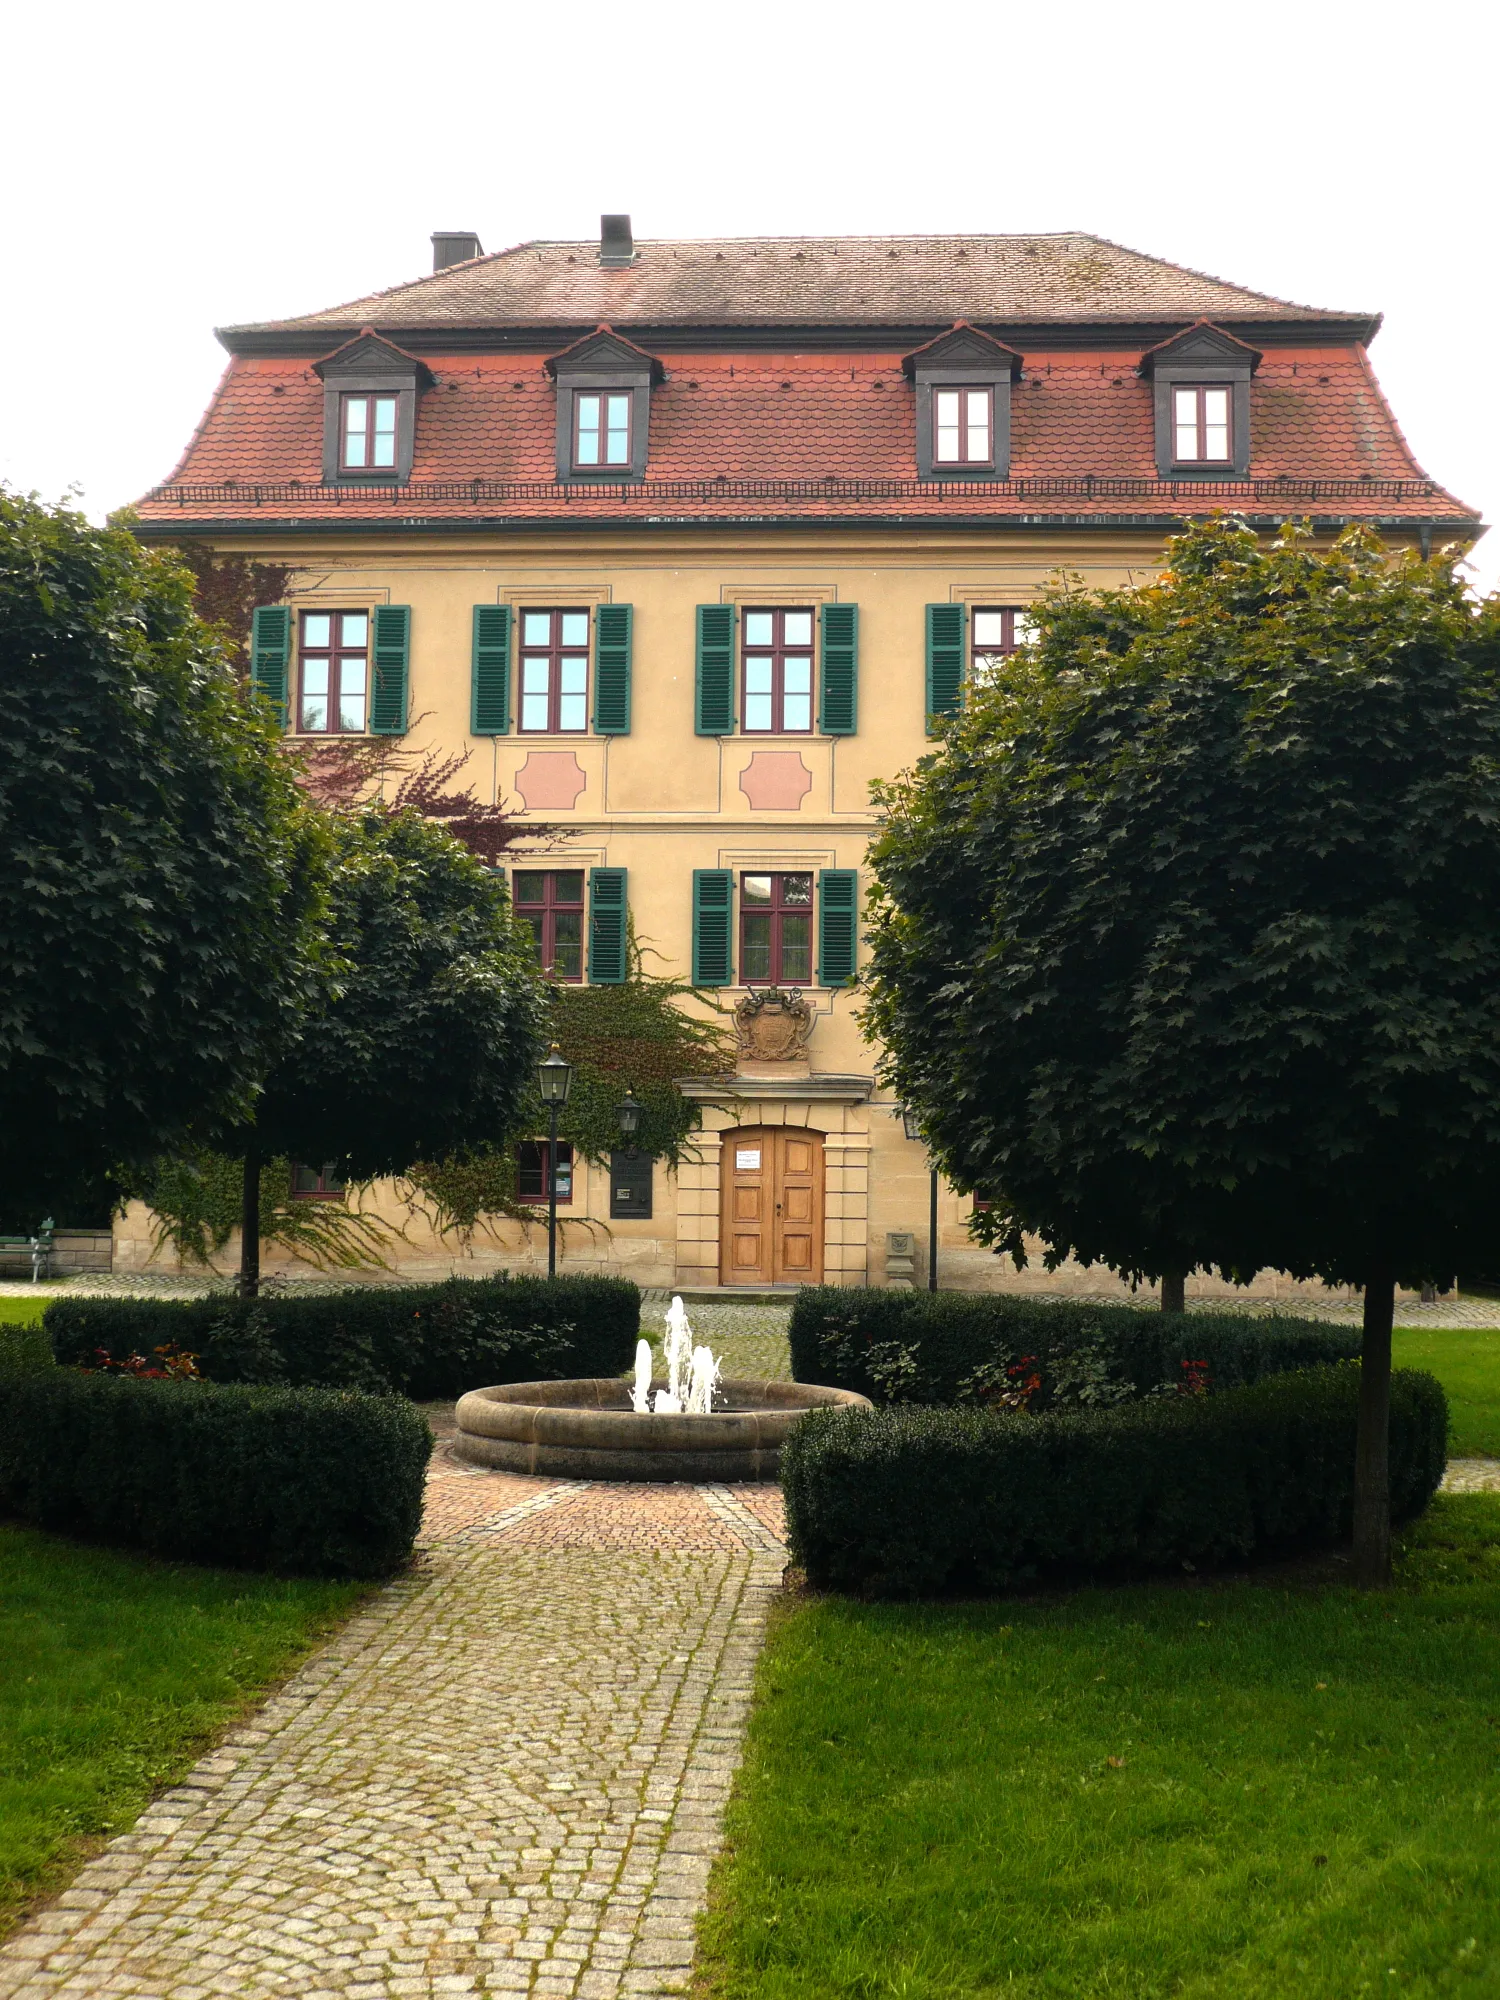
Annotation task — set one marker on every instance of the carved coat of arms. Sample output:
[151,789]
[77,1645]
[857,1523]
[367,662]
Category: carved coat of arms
[773,1023]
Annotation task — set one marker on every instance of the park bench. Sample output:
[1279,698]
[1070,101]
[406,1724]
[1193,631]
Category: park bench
[37,1248]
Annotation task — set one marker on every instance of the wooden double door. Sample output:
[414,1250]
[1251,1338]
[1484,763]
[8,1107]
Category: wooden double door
[771,1225]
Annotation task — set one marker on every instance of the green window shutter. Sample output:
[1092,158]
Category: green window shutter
[838,689]
[489,709]
[945,660]
[607,907]
[612,636]
[389,654]
[838,924]
[714,706]
[270,648]
[713,927]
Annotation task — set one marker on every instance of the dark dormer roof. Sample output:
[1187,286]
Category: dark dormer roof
[963,346]
[604,349]
[1203,344]
[370,353]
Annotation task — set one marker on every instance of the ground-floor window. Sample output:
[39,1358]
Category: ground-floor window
[534,1170]
[323,1183]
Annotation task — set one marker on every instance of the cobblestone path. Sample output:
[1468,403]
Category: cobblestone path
[504,1776]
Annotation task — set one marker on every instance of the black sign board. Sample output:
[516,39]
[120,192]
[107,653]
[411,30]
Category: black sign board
[629,1185]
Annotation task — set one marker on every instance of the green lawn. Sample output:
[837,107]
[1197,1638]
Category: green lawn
[115,1671]
[1244,1788]
[21,1312]
[1466,1360]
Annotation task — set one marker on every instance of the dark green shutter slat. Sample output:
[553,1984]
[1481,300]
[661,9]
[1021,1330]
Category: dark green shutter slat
[945,660]
[490,700]
[607,909]
[713,927]
[714,705]
[838,708]
[390,654]
[612,639]
[838,924]
[270,644]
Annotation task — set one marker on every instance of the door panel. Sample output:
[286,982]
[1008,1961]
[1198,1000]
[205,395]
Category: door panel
[771,1225]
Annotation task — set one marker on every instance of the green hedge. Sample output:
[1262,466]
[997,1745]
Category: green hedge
[955,1347]
[23,1347]
[915,1502]
[423,1341]
[320,1482]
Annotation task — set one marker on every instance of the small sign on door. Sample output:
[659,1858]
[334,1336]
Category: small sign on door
[747,1159]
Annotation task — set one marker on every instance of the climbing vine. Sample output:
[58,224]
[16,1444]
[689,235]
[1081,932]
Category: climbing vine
[196,1203]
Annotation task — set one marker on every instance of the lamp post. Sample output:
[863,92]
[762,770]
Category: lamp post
[629,1114]
[914,1131]
[554,1078]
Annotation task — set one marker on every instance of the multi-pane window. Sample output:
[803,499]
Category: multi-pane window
[534,1170]
[367,440]
[1200,426]
[963,423]
[324,1183]
[555,671]
[601,430]
[335,671]
[550,900]
[995,632]
[778,657]
[776,913]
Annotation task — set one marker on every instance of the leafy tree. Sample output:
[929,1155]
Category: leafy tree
[427,1038]
[159,871]
[1186,945]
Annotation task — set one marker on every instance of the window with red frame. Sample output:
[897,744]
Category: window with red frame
[334,663]
[776,913]
[555,672]
[777,650]
[367,434]
[963,427]
[551,902]
[994,632]
[323,1183]
[601,430]
[533,1170]
[1201,425]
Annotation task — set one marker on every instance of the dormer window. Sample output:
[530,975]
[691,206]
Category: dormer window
[1201,424]
[369,434]
[601,430]
[963,426]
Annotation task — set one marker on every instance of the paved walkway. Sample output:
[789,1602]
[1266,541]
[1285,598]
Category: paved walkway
[504,1776]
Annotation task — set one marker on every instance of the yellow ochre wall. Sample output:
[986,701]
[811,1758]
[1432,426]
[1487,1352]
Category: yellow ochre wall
[662,801]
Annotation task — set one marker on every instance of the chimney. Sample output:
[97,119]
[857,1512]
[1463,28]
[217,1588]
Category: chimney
[616,244]
[454,246]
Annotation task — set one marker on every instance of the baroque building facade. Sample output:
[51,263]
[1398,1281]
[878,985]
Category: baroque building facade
[682,544]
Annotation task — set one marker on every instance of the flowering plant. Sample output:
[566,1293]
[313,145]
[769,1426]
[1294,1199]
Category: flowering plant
[171,1364]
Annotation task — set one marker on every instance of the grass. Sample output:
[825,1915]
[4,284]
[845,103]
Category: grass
[1231,1788]
[1466,1360]
[22,1312]
[115,1672]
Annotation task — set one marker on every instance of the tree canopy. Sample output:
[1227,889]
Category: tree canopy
[159,869]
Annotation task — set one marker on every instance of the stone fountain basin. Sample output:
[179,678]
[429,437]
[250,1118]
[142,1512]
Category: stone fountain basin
[588,1430]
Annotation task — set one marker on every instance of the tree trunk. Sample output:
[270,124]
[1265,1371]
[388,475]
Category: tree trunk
[1372,1470]
[249,1281]
[1174,1291]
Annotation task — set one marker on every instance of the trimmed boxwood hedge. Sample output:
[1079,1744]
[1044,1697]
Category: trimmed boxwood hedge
[945,1347]
[423,1341]
[320,1482]
[910,1502]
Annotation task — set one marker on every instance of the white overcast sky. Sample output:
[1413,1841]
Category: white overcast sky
[172,167]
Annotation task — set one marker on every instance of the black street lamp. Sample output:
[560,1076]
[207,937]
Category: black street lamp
[554,1079]
[914,1131]
[629,1112]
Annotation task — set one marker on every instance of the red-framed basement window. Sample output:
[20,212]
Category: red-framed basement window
[777,651]
[963,427]
[994,632]
[334,666]
[1201,425]
[367,434]
[533,1170]
[551,902]
[601,430]
[323,1183]
[555,672]
[776,913]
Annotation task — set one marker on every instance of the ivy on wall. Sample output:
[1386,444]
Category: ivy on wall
[196,1205]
